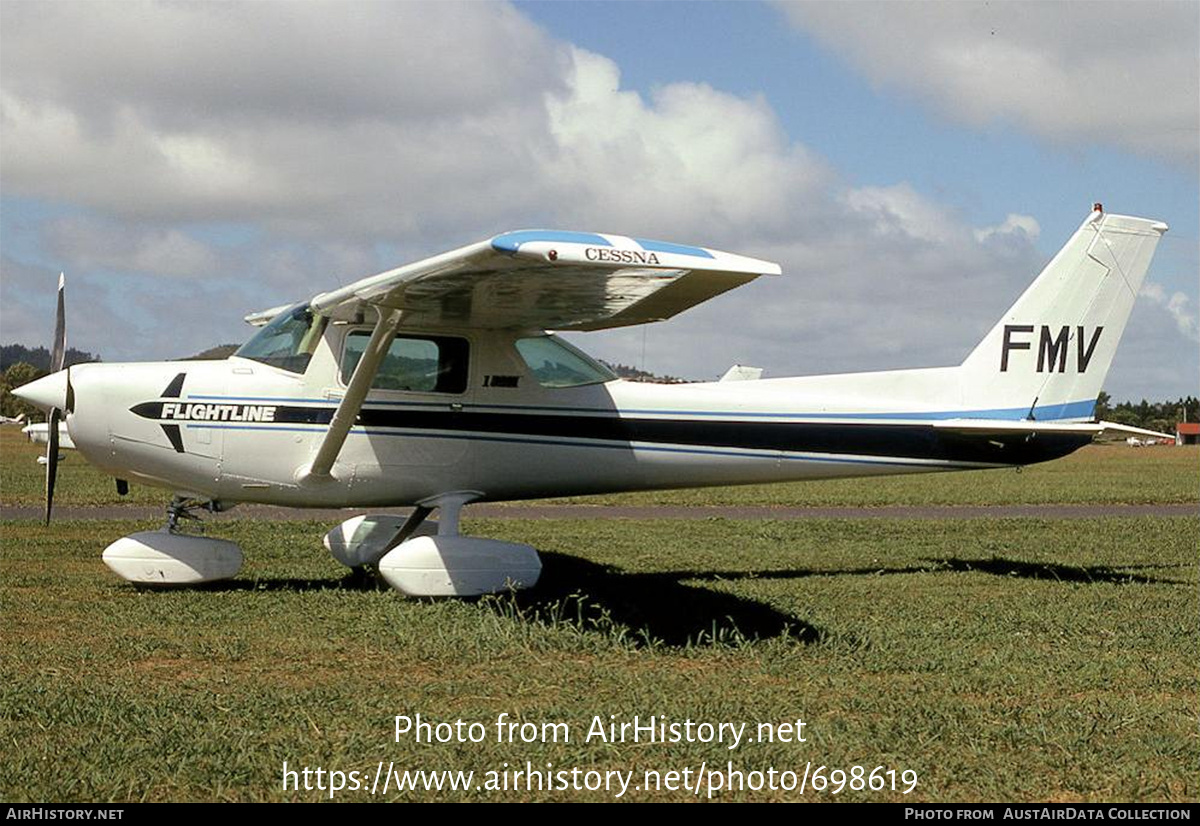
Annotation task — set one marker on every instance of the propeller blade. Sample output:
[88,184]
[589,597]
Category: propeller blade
[59,353]
[51,459]
[57,356]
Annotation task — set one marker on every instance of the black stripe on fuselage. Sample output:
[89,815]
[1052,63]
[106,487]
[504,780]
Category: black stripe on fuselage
[910,441]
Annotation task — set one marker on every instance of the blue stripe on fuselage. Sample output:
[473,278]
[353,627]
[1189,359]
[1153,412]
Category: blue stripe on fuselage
[1048,413]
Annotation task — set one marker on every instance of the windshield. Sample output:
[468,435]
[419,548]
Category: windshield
[554,363]
[287,342]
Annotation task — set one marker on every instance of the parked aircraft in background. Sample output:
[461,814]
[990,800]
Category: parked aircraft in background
[39,433]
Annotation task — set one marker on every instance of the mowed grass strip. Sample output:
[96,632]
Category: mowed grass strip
[1097,474]
[1011,659]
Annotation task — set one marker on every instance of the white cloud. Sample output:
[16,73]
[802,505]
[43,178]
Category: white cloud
[689,158]
[341,118]
[182,66]
[1122,74]
[1023,225]
[900,210]
[1177,306]
[89,245]
[336,153]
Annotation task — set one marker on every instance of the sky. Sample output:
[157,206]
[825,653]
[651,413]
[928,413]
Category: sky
[911,166]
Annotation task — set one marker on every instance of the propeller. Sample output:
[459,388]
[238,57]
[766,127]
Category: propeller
[57,356]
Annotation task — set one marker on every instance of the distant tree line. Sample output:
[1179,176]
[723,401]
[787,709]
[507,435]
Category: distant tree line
[16,375]
[221,351]
[39,357]
[633,374]
[1160,416]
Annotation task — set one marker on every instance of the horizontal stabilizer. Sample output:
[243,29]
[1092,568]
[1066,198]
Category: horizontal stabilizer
[980,427]
[740,372]
[1113,427]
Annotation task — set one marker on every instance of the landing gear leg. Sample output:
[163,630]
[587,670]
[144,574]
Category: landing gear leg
[182,508]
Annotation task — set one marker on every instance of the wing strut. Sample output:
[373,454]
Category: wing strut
[356,393]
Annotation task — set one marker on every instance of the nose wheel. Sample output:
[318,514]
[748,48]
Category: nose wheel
[169,556]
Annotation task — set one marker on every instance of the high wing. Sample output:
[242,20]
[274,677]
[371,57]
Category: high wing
[525,280]
[549,280]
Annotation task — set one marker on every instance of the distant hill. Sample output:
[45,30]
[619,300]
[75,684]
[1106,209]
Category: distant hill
[633,374]
[39,357]
[221,351]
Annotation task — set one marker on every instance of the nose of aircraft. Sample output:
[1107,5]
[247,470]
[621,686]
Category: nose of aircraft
[47,392]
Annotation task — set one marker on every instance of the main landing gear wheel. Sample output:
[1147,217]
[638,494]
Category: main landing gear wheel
[423,560]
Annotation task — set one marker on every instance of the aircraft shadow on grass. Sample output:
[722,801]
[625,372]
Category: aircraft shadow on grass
[656,607]
[653,608]
[670,607]
[1090,574]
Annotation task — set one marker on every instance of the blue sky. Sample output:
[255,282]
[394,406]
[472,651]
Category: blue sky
[874,137]
[911,165]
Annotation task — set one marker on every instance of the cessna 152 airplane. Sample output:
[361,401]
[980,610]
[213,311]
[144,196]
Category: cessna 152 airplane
[435,385]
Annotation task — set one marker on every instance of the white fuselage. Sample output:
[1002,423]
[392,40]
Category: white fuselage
[241,431]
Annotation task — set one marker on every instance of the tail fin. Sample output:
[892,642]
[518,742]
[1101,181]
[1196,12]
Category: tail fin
[1051,351]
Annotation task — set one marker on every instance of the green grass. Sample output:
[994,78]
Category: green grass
[23,480]
[1104,474]
[1017,659]
[1097,474]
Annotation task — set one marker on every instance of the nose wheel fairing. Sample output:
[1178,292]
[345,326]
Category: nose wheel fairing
[165,558]
[168,556]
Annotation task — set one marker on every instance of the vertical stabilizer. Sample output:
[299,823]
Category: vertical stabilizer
[1051,351]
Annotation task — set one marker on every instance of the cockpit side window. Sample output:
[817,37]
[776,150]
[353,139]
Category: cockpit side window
[427,364]
[288,342]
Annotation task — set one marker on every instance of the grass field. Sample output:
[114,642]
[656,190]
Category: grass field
[1006,659]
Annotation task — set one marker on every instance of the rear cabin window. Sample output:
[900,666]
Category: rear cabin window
[554,363]
[423,364]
